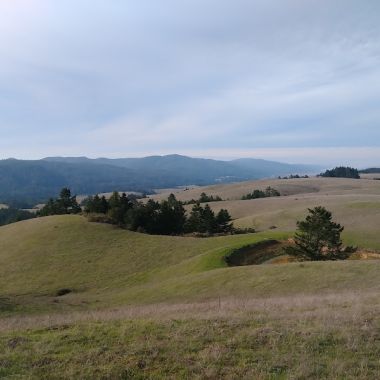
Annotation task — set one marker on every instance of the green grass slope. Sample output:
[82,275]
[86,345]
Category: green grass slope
[98,261]
[106,266]
[161,307]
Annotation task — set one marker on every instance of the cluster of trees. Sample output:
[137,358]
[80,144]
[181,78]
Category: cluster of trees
[13,215]
[341,172]
[204,198]
[318,238]
[293,176]
[370,170]
[167,217]
[269,192]
[204,220]
[64,204]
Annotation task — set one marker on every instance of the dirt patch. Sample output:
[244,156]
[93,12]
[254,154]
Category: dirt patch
[365,254]
[259,253]
[63,292]
[272,252]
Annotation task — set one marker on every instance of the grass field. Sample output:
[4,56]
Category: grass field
[354,203]
[156,307]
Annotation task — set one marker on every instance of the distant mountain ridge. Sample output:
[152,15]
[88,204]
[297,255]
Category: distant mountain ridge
[35,181]
[244,168]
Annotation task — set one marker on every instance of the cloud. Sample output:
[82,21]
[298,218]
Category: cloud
[127,78]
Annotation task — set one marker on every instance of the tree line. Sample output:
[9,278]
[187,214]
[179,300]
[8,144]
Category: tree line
[341,172]
[269,192]
[204,198]
[13,215]
[64,204]
[167,217]
[294,176]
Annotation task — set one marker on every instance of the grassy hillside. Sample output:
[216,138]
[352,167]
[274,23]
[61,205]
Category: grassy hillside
[168,307]
[354,203]
[102,264]
[106,266]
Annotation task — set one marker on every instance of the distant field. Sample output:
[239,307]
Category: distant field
[354,203]
[141,306]
[370,176]
[326,186]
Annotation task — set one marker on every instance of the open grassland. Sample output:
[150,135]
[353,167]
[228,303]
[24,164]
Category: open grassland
[160,307]
[370,176]
[354,203]
[302,337]
[321,186]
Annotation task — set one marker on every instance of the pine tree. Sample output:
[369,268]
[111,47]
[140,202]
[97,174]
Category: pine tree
[223,221]
[318,237]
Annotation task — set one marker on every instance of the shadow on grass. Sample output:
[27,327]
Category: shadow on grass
[6,304]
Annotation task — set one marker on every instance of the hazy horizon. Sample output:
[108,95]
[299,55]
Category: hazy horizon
[290,81]
[200,157]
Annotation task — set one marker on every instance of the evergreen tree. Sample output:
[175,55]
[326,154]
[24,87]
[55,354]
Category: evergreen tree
[223,221]
[208,220]
[194,223]
[65,204]
[318,237]
[117,208]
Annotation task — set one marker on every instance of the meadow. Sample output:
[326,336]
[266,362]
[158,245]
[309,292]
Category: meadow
[88,300]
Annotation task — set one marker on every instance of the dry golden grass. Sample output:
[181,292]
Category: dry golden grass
[335,307]
[325,186]
[331,336]
[370,176]
[354,203]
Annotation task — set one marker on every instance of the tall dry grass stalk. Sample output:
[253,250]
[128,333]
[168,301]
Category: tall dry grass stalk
[332,310]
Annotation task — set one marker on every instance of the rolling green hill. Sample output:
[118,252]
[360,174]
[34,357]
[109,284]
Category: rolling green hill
[157,307]
[105,266]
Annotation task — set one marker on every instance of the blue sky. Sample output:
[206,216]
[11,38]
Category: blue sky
[295,80]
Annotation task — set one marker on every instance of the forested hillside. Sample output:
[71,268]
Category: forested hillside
[25,183]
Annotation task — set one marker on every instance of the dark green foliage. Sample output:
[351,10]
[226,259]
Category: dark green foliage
[12,215]
[341,172]
[96,204]
[203,220]
[167,217]
[269,192]
[65,204]
[318,237]
[204,198]
[164,218]
[294,176]
[223,221]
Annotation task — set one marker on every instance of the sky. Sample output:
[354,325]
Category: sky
[292,80]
